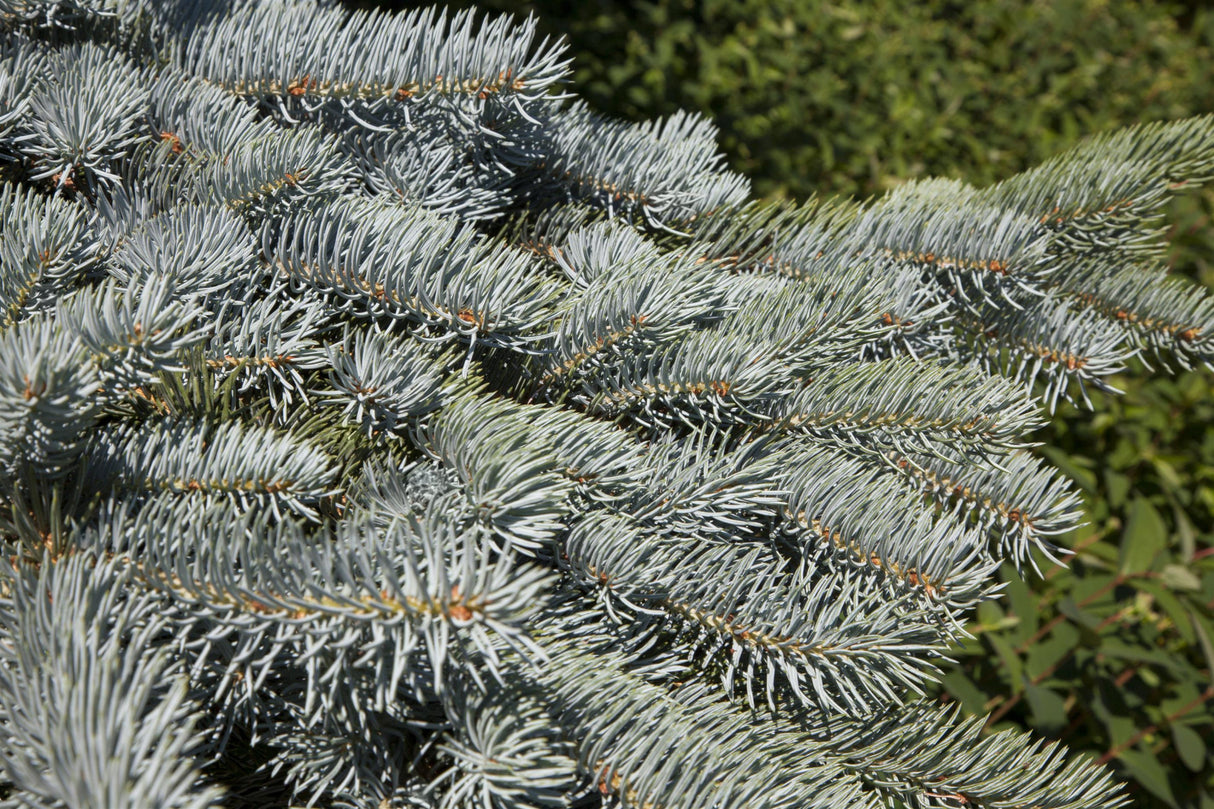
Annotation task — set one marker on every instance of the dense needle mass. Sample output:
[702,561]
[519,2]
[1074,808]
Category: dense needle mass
[379,427]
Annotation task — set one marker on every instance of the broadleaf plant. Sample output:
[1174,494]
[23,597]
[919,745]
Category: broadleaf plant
[380,427]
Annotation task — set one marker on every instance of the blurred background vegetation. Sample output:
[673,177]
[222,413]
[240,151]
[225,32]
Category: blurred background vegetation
[1114,653]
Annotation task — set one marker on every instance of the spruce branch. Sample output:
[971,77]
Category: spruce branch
[504,754]
[198,118]
[662,174]
[820,643]
[94,707]
[83,118]
[705,378]
[1023,502]
[200,249]
[246,465]
[423,167]
[508,478]
[1164,316]
[369,601]
[447,276]
[593,250]
[629,311]
[268,339]
[45,247]
[132,331]
[911,406]
[48,392]
[862,514]
[403,58]
[1048,341]
[382,383]
[377,428]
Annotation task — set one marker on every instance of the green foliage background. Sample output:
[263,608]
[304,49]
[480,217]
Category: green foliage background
[1113,654]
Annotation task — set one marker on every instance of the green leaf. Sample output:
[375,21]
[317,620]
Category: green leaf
[1204,632]
[1015,667]
[1143,538]
[1168,472]
[1114,647]
[1147,771]
[1109,706]
[1169,603]
[1184,531]
[990,615]
[1048,708]
[963,689]
[1184,695]
[1046,654]
[1074,467]
[1118,486]
[1070,609]
[1189,746]
[1179,577]
[1023,606]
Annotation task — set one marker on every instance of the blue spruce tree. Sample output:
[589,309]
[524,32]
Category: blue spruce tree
[380,427]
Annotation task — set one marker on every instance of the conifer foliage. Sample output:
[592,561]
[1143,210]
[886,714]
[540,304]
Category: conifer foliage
[379,427]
